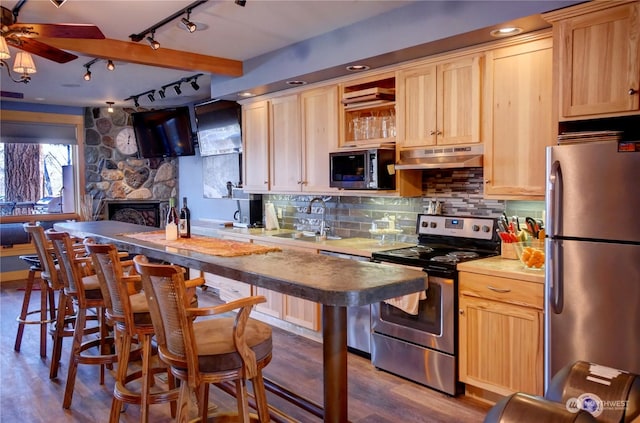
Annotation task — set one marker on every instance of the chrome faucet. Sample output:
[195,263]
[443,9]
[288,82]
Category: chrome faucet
[323,224]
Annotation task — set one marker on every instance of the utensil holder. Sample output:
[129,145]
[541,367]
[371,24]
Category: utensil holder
[508,251]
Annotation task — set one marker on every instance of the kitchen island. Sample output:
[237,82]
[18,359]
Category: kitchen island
[335,283]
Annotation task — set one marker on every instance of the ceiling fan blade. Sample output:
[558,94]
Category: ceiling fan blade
[59,30]
[43,50]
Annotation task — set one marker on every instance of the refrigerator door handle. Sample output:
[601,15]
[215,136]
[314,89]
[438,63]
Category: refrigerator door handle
[555,194]
[556,292]
[554,252]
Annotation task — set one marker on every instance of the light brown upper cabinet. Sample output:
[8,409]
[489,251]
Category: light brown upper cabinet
[598,55]
[284,115]
[255,139]
[439,103]
[304,128]
[518,118]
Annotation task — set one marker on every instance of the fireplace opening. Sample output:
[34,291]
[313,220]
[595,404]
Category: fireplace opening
[146,213]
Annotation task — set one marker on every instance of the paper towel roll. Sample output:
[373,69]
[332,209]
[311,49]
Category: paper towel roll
[270,220]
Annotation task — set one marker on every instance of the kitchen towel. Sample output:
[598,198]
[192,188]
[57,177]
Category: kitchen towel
[270,220]
[409,303]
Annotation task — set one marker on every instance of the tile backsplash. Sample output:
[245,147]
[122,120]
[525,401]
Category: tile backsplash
[459,190]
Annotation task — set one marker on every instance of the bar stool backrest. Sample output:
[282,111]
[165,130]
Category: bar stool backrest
[44,250]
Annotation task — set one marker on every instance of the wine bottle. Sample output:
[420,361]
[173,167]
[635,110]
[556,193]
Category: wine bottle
[171,228]
[185,220]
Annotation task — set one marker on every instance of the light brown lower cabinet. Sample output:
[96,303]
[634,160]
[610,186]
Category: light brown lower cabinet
[501,334]
[294,310]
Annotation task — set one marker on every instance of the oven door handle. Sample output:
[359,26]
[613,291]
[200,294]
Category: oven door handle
[501,290]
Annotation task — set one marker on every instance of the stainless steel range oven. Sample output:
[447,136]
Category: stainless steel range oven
[417,337]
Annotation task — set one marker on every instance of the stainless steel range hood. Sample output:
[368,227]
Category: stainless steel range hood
[441,158]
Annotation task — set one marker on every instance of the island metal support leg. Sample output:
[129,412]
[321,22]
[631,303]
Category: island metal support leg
[334,351]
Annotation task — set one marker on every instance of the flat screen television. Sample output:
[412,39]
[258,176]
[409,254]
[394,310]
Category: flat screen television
[218,124]
[164,133]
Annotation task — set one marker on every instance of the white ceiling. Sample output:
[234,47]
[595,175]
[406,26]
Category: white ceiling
[230,31]
[306,38]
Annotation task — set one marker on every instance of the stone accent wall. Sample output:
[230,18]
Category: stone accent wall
[110,175]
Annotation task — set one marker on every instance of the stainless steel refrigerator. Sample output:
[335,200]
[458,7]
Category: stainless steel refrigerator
[592,273]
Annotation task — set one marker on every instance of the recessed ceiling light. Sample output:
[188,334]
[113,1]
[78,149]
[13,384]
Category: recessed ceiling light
[245,94]
[296,83]
[358,68]
[506,31]
[39,98]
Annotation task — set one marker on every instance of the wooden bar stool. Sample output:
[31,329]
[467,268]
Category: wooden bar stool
[206,351]
[50,276]
[81,286]
[128,309]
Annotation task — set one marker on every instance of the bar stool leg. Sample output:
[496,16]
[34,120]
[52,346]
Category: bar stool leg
[25,309]
[23,319]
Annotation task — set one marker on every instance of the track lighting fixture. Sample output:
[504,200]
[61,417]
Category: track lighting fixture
[87,75]
[152,41]
[110,65]
[110,106]
[150,95]
[162,92]
[190,26]
[241,2]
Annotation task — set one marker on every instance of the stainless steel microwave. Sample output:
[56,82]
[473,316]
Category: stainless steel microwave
[363,169]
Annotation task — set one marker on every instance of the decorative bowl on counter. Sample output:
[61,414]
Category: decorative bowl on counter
[531,253]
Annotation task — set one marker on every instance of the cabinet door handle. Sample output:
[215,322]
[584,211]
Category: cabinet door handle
[438,132]
[266,182]
[632,91]
[501,290]
[487,181]
[432,133]
[461,311]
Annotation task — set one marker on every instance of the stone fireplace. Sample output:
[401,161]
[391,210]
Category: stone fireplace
[148,213]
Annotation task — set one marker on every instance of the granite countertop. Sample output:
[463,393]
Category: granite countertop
[501,267]
[355,246]
[327,280]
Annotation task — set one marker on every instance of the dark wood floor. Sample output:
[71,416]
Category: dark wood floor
[28,395]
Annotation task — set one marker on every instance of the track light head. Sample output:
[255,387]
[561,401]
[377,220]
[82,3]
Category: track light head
[110,106]
[177,89]
[195,85]
[161,93]
[152,41]
[87,75]
[151,97]
[110,65]
[190,26]
[135,102]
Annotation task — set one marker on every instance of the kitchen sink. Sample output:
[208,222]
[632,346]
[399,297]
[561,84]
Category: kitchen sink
[304,236]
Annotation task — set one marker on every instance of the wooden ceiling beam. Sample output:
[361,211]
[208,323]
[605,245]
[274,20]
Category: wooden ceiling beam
[142,54]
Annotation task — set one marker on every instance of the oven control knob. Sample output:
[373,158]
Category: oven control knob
[475,228]
[433,224]
[485,228]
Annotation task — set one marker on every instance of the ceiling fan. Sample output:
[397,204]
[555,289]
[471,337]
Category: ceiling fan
[23,35]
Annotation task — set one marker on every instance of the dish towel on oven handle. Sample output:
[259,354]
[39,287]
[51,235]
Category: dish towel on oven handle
[409,303]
